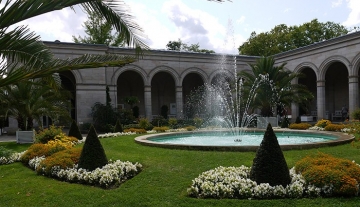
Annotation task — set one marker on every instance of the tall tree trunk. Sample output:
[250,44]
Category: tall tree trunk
[21,124]
[30,123]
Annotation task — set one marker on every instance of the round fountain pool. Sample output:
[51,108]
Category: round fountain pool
[247,141]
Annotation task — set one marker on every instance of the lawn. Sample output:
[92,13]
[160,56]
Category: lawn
[166,175]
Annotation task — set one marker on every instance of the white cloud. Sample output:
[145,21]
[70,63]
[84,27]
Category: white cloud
[196,26]
[354,16]
[241,20]
[336,3]
[287,10]
[57,25]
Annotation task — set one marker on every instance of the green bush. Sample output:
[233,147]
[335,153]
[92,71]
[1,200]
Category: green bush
[159,121]
[93,154]
[164,111]
[356,114]
[145,124]
[75,131]
[285,123]
[297,120]
[48,134]
[172,123]
[118,126]
[198,122]
[269,165]
[5,152]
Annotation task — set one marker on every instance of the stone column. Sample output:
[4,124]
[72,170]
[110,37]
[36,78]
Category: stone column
[148,106]
[294,111]
[321,100]
[353,93]
[179,102]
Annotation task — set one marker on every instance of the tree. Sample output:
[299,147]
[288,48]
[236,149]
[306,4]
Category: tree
[283,38]
[99,31]
[269,165]
[277,90]
[181,46]
[31,100]
[24,56]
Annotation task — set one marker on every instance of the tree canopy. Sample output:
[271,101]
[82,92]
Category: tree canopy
[283,38]
[99,31]
[179,45]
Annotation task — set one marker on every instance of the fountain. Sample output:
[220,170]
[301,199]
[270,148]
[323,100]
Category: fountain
[225,107]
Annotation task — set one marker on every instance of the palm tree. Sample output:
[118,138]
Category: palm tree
[31,100]
[23,56]
[276,89]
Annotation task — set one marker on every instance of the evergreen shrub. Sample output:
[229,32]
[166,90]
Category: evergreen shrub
[93,154]
[74,131]
[118,126]
[269,164]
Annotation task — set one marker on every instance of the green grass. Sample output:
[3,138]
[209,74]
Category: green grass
[165,177]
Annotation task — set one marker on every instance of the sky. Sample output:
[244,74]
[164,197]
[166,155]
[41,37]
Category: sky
[221,27]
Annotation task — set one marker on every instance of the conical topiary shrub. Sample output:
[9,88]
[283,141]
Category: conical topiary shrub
[75,131]
[93,154]
[118,126]
[269,165]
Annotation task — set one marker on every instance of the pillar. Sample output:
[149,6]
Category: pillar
[321,100]
[148,106]
[179,102]
[353,93]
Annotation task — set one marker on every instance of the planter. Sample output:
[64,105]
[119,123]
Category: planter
[25,137]
[262,122]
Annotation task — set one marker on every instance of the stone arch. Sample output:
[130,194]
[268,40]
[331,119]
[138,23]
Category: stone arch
[120,70]
[68,82]
[198,71]
[326,63]
[130,83]
[304,65]
[166,69]
[77,75]
[220,72]
[355,63]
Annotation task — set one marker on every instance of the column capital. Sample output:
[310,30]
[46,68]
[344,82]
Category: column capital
[320,83]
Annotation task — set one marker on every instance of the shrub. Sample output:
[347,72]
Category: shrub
[356,114]
[285,123]
[323,170]
[161,129]
[5,152]
[297,120]
[45,135]
[159,121]
[198,122]
[145,124]
[74,131]
[137,131]
[62,159]
[172,123]
[269,165]
[93,154]
[334,127]
[323,123]
[136,110]
[190,128]
[299,126]
[35,150]
[118,126]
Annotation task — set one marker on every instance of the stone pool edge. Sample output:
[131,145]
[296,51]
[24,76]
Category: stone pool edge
[342,138]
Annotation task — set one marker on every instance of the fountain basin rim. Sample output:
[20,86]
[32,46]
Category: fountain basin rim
[341,138]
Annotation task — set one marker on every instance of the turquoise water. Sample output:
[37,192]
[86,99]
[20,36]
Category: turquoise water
[245,139]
